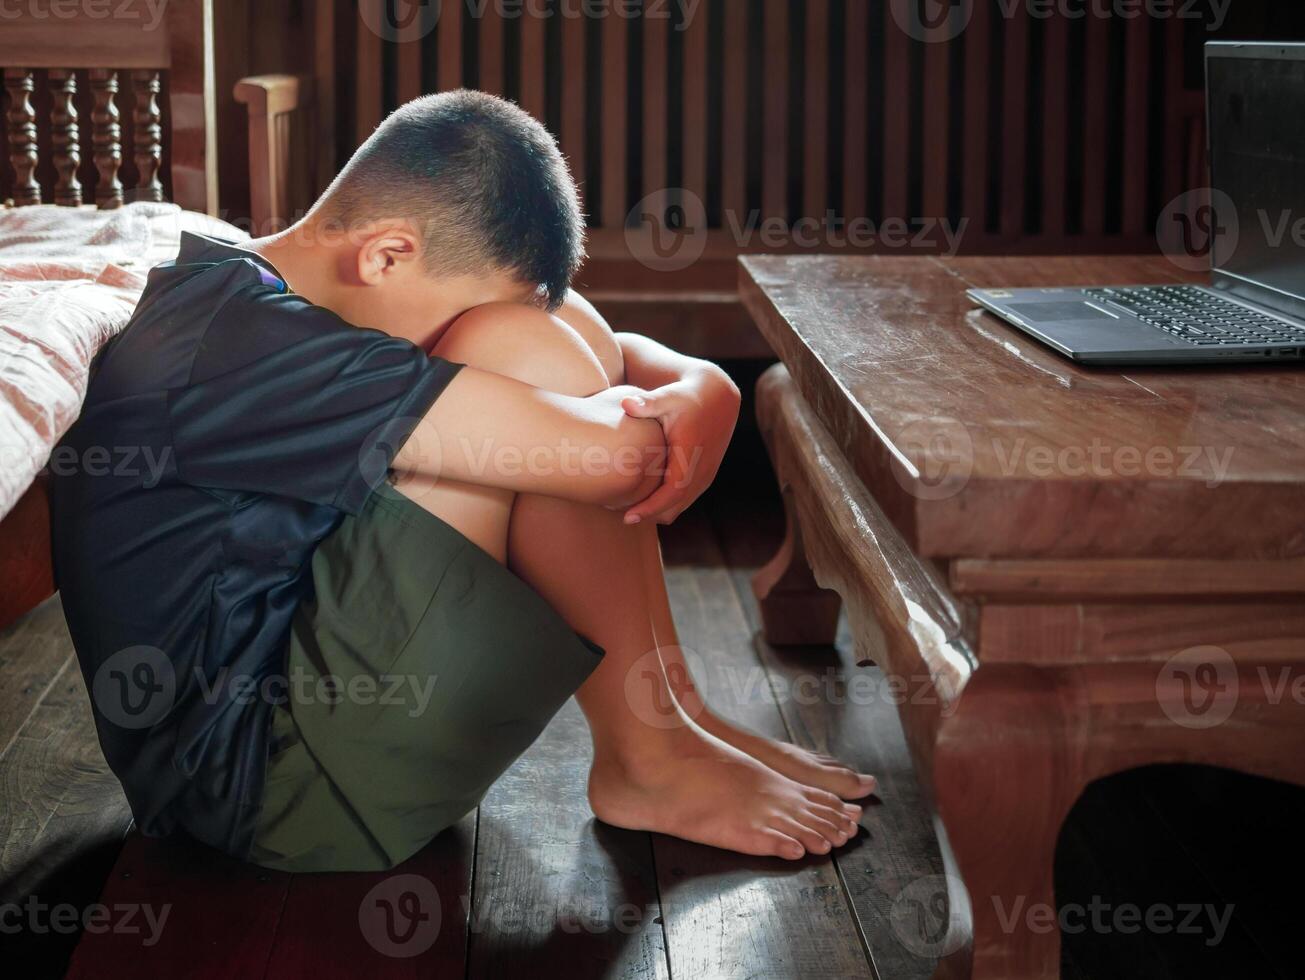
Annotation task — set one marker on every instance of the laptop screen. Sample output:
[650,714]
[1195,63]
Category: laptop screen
[1256,96]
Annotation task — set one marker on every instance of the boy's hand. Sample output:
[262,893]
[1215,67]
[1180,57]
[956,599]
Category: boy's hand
[697,414]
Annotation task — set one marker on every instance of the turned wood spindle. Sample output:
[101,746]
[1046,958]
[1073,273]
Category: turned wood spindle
[20,84]
[148,135]
[65,138]
[106,137]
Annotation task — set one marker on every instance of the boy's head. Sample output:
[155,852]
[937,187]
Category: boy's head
[457,199]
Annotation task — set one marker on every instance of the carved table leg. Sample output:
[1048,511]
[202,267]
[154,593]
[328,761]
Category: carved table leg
[1004,778]
[795,610]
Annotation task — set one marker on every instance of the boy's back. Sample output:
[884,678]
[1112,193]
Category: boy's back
[224,434]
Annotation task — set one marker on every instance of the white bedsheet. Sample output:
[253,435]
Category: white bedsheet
[69,279]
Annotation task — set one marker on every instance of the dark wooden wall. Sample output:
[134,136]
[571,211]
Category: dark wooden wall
[1023,123]
[1056,134]
[1045,133]
[1042,134]
[254,37]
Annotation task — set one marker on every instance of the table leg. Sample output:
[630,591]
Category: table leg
[795,610]
[1004,778]
[1022,743]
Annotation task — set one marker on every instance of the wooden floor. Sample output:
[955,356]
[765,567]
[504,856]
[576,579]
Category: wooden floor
[532,886]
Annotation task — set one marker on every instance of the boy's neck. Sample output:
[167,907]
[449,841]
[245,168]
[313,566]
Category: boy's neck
[304,266]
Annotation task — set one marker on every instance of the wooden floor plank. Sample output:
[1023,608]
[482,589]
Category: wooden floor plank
[728,915]
[408,922]
[62,812]
[59,795]
[32,653]
[832,704]
[556,893]
[196,914]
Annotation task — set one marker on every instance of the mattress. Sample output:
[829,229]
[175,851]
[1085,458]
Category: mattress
[69,280]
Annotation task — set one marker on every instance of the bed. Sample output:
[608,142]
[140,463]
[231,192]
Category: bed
[111,135]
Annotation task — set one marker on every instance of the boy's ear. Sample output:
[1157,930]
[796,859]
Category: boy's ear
[388,251]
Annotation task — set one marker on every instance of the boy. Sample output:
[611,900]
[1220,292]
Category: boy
[307,666]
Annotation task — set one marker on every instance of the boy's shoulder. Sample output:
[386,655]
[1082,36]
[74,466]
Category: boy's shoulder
[220,307]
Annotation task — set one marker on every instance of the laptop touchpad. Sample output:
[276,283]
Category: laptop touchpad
[1049,312]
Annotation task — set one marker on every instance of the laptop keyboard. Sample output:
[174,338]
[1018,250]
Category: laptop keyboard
[1198,316]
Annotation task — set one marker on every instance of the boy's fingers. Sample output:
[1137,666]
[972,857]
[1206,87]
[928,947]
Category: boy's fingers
[655,404]
[663,498]
[640,407]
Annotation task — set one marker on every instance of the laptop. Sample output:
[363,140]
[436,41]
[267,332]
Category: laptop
[1254,310]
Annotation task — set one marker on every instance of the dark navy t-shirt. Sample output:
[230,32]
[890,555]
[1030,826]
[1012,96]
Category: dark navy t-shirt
[225,433]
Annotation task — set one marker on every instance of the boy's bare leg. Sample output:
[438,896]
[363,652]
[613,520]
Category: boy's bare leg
[812,768]
[654,769]
[807,767]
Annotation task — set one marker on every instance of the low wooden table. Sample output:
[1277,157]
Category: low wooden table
[1068,571]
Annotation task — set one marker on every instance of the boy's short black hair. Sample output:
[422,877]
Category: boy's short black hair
[481,179]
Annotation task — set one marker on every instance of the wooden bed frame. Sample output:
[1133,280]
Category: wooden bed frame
[168,68]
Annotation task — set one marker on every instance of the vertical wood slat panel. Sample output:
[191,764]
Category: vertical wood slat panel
[896,147]
[1136,84]
[815,155]
[368,93]
[694,116]
[855,130]
[490,33]
[734,131]
[1175,141]
[815,122]
[978,75]
[615,44]
[448,68]
[774,162]
[1055,107]
[655,40]
[409,71]
[1014,123]
[533,79]
[408,56]
[574,87]
[1095,125]
[324,122]
[937,70]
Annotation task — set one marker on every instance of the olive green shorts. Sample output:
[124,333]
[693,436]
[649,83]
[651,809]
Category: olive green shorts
[419,672]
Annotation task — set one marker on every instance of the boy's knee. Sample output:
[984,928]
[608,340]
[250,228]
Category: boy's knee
[527,344]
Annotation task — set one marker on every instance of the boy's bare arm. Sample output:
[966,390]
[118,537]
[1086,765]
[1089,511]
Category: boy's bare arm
[694,400]
[490,430]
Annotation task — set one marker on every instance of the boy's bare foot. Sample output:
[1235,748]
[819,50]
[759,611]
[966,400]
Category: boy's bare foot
[698,788]
[801,765]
